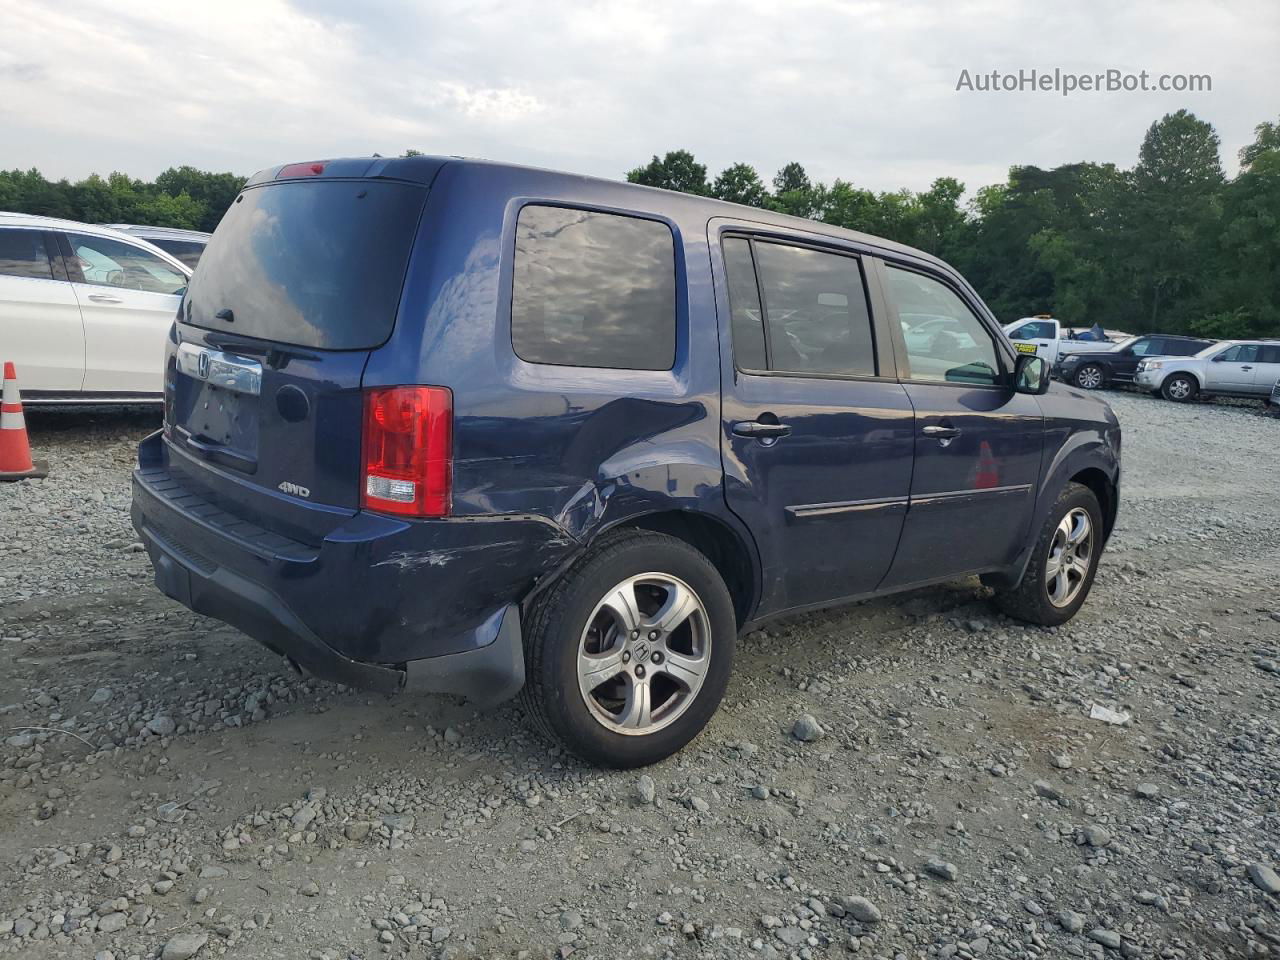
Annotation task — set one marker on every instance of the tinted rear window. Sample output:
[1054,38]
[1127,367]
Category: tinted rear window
[312,263]
[593,290]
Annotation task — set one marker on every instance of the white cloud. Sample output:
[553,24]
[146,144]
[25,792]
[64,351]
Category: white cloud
[863,89]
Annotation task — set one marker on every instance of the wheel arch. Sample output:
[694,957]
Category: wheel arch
[725,547]
[1194,375]
[1089,460]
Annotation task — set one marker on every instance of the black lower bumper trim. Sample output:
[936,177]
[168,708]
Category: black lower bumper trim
[217,592]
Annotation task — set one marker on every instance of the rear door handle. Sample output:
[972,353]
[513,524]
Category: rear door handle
[104,298]
[760,430]
[940,432]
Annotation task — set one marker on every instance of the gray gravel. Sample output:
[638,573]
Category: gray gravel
[169,790]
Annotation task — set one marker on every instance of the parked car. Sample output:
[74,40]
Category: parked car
[1119,363]
[1046,337]
[447,425]
[1274,400]
[84,310]
[186,245]
[1232,368]
[935,334]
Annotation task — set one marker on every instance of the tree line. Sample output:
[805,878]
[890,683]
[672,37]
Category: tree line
[1171,245]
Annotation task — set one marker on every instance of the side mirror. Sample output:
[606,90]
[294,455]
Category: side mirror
[1031,375]
[1219,358]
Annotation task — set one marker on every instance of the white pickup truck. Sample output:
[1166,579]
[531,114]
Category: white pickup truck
[1048,338]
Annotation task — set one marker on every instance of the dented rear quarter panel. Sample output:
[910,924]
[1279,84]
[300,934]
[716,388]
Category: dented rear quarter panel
[562,453]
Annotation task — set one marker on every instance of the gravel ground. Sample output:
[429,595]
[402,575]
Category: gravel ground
[168,789]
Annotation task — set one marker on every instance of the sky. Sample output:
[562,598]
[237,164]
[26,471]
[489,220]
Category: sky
[863,90]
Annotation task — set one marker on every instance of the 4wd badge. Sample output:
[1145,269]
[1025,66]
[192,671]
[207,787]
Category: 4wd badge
[293,489]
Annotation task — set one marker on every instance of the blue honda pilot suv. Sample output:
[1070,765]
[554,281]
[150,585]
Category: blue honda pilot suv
[465,427]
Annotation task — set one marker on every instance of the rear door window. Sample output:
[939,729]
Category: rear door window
[593,289]
[312,263]
[23,254]
[798,310]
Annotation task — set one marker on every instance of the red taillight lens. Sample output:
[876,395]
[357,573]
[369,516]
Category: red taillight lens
[408,450]
[301,170]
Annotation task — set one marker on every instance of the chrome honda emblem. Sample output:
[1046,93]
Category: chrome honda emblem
[641,651]
[202,364]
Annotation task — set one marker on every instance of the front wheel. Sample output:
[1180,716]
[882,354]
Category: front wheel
[629,654]
[1063,563]
[1180,388]
[1090,377]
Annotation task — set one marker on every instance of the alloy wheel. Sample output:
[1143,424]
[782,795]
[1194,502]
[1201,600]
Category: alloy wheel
[1090,378]
[1070,554]
[644,654]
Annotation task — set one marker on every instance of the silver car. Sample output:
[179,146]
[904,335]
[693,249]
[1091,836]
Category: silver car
[1231,368]
[186,245]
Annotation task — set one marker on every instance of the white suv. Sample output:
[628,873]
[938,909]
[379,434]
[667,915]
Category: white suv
[1231,368]
[84,310]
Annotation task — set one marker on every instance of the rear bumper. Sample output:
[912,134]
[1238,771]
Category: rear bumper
[380,603]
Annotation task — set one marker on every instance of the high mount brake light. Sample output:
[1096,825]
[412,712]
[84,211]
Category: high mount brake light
[408,450]
[301,170]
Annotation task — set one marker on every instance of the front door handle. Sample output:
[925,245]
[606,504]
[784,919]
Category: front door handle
[760,429]
[1246,368]
[940,432]
[104,298]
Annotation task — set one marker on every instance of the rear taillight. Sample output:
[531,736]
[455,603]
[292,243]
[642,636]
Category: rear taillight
[408,450]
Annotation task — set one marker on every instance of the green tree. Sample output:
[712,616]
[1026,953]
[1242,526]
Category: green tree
[1266,138]
[740,183]
[1173,209]
[215,192]
[678,170]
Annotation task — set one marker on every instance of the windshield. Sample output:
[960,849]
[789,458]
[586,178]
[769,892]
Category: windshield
[1213,348]
[312,263]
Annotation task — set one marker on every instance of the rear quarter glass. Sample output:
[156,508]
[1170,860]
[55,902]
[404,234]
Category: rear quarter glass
[316,263]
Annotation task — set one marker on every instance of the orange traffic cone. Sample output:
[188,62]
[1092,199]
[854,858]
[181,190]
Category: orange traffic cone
[15,451]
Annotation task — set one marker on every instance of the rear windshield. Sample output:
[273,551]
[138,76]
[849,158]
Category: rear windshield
[312,263]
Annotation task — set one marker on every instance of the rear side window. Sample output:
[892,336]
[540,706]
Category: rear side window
[22,254]
[802,311]
[188,251]
[312,263]
[593,289]
[1270,353]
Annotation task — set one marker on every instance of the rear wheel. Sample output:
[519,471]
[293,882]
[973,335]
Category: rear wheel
[1063,563]
[629,654]
[1090,377]
[1180,388]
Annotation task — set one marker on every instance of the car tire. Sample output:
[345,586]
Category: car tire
[1090,377]
[1037,599]
[1180,388]
[666,684]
